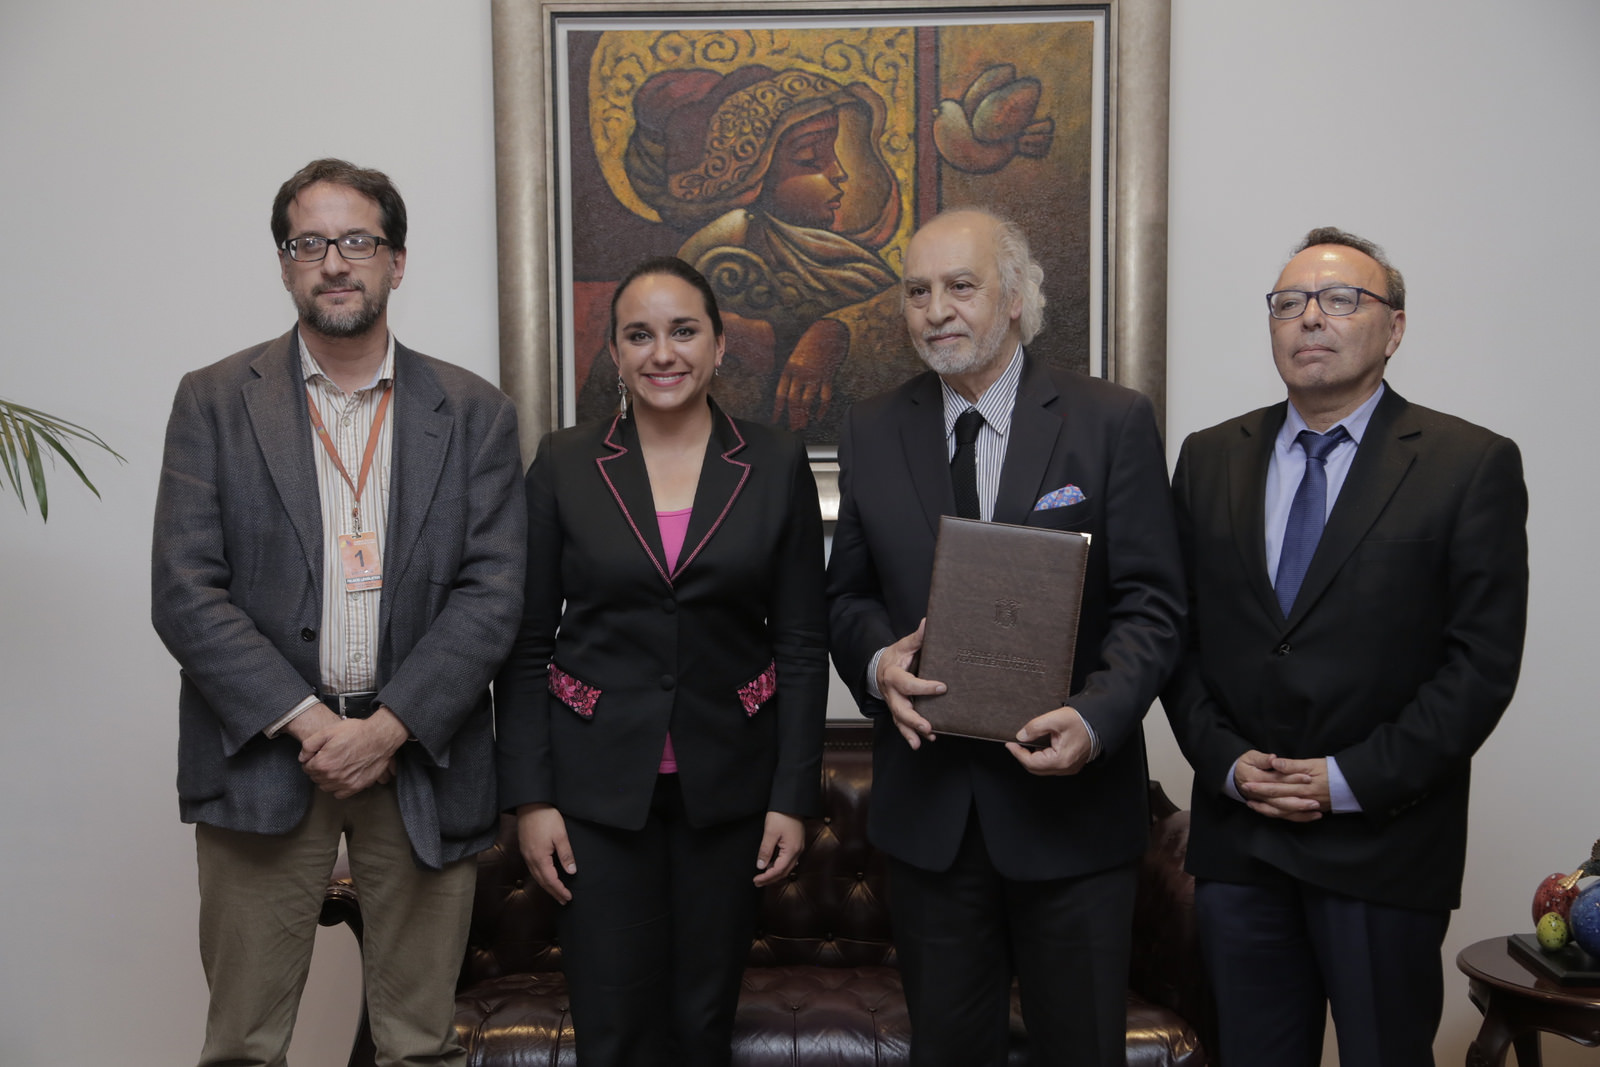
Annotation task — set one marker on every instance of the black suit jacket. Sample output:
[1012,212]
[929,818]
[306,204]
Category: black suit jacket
[895,483]
[668,649]
[1400,653]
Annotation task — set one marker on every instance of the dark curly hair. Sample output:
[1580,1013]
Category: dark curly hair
[373,184]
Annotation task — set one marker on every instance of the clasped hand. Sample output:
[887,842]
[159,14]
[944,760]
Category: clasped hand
[345,756]
[1279,788]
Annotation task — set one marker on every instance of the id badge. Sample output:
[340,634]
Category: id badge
[362,568]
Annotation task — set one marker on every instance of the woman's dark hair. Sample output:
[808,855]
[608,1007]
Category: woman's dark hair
[677,268]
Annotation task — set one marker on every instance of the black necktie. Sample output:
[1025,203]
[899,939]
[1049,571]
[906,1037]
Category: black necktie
[1307,513]
[964,464]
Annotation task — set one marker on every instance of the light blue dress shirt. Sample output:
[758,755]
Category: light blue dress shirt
[1284,470]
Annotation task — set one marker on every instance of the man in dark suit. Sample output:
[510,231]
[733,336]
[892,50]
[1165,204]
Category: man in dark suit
[338,569]
[1004,860]
[1358,583]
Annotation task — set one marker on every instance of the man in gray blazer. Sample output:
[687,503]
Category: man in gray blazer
[337,568]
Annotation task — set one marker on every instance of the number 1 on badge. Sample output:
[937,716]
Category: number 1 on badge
[362,568]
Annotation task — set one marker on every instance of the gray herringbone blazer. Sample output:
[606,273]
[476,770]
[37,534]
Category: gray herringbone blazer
[237,589]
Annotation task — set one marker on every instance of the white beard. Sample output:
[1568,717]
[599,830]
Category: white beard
[966,355]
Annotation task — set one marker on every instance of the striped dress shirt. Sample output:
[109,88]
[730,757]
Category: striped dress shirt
[995,406]
[347,641]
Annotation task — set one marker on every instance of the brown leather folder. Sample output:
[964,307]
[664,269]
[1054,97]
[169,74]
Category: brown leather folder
[1002,625]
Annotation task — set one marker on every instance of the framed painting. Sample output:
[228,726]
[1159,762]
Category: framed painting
[789,152]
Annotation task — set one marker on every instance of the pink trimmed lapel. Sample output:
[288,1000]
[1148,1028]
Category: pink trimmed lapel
[722,478]
[624,474]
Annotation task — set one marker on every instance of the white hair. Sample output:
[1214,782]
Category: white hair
[1020,273]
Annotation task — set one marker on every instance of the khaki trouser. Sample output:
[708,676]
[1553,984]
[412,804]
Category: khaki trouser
[260,896]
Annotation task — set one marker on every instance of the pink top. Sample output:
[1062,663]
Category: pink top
[674,527]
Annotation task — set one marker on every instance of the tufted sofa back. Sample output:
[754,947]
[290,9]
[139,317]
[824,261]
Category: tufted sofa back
[823,984]
[831,912]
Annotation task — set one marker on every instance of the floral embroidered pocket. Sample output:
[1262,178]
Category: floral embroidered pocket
[759,689]
[573,693]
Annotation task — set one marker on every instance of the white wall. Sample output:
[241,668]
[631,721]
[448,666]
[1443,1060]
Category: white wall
[137,138]
[142,145]
[1462,137]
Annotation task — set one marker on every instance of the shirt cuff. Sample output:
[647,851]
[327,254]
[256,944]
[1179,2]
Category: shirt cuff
[1340,797]
[1230,787]
[1094,739]
[305,705]
[872,675]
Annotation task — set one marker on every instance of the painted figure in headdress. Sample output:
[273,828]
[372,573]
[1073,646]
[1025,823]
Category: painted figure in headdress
[777,178]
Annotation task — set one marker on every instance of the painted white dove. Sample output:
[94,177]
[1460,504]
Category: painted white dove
[992,122]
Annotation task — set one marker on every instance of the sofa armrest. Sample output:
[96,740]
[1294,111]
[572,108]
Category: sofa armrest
[340,902]
[1166,967]
[513,921]
[342,905]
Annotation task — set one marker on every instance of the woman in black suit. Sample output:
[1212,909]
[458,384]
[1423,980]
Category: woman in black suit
[660,719]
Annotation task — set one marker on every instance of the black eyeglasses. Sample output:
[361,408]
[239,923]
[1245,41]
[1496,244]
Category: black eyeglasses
[1336,300]
[315,249]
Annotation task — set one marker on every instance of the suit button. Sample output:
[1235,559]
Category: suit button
[669,605]
[668,681]
[1283,649]
[308,634]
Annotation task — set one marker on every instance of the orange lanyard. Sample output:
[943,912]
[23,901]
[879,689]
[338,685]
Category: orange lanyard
[366,460]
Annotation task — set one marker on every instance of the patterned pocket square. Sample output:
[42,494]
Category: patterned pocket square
[1067,494]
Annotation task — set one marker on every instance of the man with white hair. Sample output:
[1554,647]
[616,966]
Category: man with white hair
[1004,860]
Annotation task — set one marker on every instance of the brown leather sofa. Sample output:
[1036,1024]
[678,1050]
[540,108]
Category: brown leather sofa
[821,986]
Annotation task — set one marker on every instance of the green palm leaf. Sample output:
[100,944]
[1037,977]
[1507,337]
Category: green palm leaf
[27,438]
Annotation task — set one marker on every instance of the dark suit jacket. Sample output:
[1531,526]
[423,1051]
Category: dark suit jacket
[237,588]
[668,650]
[895,483]
[1400,654]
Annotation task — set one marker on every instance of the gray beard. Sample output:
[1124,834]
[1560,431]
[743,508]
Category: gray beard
[985,350]
[346,321]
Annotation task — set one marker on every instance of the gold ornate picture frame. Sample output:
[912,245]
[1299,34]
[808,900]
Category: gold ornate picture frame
[789,152]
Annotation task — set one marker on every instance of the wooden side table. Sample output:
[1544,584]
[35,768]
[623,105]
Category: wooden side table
[1517,1003]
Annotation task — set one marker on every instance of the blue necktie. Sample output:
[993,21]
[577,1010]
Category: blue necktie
[1307,513]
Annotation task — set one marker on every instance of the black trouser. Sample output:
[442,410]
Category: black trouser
[1280,954]
[655,939]
[962,934]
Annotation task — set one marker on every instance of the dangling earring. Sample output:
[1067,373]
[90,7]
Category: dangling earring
[622,398]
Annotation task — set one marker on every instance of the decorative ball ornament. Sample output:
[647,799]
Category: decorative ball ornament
[1552,932]
[1585,919]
